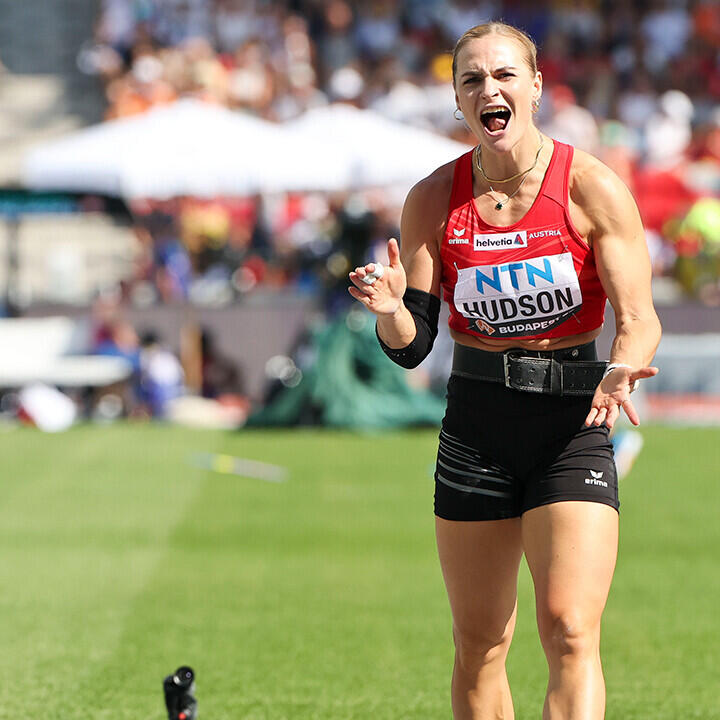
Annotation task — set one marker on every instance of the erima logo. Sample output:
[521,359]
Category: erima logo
[595,479]
[459,238]
[500,241]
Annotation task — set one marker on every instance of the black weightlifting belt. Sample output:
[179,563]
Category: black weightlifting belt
[570,371]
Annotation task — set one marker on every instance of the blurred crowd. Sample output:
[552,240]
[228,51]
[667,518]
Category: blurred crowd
[213,252]
[636,83]
[160,376]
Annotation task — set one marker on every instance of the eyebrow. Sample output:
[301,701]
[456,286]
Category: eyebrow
[496,70]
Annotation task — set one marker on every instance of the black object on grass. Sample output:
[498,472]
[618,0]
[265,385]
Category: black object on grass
[179,694]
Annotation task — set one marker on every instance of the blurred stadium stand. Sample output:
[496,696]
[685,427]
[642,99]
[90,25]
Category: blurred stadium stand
[42,93]
[40,38]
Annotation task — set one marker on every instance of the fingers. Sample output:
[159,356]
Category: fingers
[393,252]
[360,272]
[359,294]
[600,417]
[591,416]
[374,272]
[612,415]
[630,411]
[363,271]
[600,414]
[641,373]
[356,279]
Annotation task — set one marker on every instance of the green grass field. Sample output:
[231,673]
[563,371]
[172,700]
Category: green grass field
[319,598]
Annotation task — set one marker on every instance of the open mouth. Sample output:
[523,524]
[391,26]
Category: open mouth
[495,119]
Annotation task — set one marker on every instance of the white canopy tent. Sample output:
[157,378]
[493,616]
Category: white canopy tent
[374,150]
[188,148]
[192,148]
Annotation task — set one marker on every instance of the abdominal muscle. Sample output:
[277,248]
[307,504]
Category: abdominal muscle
[556,343]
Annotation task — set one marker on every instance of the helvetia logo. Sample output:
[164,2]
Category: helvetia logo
[500,241]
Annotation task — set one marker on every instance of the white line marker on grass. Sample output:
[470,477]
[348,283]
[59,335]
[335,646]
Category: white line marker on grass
[231,465]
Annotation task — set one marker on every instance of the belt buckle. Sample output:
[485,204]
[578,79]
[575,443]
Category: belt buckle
[507,356]
[520,384]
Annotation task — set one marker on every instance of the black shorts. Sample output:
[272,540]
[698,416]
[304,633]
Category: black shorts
[503,452]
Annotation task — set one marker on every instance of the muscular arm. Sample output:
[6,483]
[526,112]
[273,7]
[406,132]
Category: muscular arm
[618,241]
[623,263]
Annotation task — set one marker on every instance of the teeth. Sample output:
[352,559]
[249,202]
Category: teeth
[495,111]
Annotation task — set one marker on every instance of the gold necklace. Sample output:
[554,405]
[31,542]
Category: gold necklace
[478,163]
[500,204]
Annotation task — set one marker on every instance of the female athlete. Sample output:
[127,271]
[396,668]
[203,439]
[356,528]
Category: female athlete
[526,239]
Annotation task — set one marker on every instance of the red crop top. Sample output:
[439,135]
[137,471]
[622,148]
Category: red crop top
[534,279]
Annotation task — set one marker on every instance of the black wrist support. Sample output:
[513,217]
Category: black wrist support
[425,309]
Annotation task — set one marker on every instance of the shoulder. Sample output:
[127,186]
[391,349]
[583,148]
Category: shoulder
[598,197]
[593,183]
[426,208]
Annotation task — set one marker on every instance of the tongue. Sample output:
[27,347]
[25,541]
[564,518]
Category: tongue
[496,123]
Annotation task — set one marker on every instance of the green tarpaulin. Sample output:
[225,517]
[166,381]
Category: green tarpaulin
[348,382]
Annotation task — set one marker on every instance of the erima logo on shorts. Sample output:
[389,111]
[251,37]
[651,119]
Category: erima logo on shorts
[513,299]
[595,479]
[500,241]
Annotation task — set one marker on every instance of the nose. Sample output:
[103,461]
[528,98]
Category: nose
[490,87]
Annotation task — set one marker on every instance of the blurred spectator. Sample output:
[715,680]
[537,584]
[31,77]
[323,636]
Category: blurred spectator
[668,130]
[665,30]
[220,375]
[116,337]
[637,102]
[161,376]
[571,123]
[171,265]
[377,28]
[121,341]
[335,45]
[457,16]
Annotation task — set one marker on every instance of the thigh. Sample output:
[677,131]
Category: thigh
[571,549]
[480,561]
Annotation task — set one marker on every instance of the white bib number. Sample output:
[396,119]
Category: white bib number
[526,297]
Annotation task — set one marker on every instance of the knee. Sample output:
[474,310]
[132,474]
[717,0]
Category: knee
[568,635]
[478,647]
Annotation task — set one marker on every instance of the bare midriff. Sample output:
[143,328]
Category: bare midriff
[557,343]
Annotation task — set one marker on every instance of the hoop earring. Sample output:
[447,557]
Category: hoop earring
[455,112]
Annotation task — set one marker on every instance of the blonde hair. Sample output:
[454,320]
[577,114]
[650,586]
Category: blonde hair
[498,28]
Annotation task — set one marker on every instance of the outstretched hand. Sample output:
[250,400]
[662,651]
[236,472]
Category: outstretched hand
[384,296]
[613,393]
